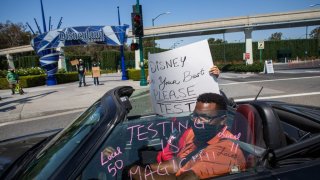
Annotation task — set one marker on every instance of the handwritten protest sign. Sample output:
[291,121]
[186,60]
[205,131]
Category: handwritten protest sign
[178,76]
[95,71]
[74,62]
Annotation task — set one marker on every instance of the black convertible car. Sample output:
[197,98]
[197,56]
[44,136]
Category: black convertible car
[278,141]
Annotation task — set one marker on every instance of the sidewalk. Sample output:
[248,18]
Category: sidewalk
[49,100]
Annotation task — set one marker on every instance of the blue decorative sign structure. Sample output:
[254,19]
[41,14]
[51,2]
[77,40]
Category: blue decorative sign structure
[46,44]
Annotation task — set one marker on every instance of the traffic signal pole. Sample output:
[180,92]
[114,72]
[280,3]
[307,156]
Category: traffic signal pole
[143,81]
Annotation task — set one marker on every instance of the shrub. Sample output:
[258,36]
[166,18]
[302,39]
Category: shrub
[4,83]
[40,80]
[25,81]
[30,71]
[62,70]
[3,73]
[255,67]
[32,81]
[67,77]
[134,74]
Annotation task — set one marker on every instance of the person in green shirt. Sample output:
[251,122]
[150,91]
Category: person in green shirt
[12,79]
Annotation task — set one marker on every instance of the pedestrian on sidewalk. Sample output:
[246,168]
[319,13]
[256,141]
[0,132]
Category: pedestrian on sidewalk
[13,80]
[81,73]
[96,72]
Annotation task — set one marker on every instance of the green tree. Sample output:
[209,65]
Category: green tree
[149,42]
[276,36]
[12,35]
[315,33]
[215,41]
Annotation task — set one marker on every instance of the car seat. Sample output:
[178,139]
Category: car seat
[247,121]
[273,133]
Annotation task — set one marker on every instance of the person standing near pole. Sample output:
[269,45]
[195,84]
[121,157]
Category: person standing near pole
[81,73]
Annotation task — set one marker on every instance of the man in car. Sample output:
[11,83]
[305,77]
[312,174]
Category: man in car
[178,138]
[207,151]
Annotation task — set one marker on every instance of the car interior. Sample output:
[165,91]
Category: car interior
[278,138]
[280,132]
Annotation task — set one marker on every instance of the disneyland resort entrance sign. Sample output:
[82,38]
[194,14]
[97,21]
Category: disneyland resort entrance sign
[46,44]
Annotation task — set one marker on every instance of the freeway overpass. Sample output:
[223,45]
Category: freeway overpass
[245,24]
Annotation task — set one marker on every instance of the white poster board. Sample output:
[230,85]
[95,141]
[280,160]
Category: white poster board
[268,67]
[178,76]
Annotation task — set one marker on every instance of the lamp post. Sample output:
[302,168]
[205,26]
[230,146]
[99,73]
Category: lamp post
[153,19]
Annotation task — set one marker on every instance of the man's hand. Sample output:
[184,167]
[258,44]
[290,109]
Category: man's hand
[215,71]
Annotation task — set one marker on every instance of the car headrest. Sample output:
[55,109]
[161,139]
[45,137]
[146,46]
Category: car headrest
[272,129]
[248,122]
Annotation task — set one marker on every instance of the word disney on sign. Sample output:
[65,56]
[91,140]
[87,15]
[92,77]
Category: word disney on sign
[178,76]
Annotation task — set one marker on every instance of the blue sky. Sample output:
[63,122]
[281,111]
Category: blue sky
[104,12]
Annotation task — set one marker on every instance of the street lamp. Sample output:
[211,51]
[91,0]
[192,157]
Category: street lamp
[153,19]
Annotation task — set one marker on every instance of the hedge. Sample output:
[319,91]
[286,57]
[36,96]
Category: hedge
[135,74]
[111,60]
[275,50]
[25,81]
[40,80]
[67,77]
[255,67]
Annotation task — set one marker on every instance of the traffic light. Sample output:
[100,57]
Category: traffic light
[134,46]
[137,22]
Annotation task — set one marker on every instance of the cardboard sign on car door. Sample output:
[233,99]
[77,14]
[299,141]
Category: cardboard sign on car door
[178,76]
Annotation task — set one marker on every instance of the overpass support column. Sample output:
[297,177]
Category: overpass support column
[248,37]
[10,62]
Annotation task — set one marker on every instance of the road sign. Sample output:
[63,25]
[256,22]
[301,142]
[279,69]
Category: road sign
[261,45]
[246,56]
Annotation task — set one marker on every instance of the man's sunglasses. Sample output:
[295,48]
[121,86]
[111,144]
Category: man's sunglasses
[206,117]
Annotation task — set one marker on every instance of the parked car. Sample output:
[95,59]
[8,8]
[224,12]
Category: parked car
[278,140]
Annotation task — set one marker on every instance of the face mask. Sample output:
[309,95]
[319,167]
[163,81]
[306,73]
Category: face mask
[204,132]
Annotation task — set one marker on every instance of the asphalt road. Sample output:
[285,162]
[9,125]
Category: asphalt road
[297,86]
[36,125]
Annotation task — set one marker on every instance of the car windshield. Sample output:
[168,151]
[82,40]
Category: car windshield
[64,144]
[148,142]
[141,104]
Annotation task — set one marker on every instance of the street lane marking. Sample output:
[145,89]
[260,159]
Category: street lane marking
[270,80]
[17,121]
[280,96]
